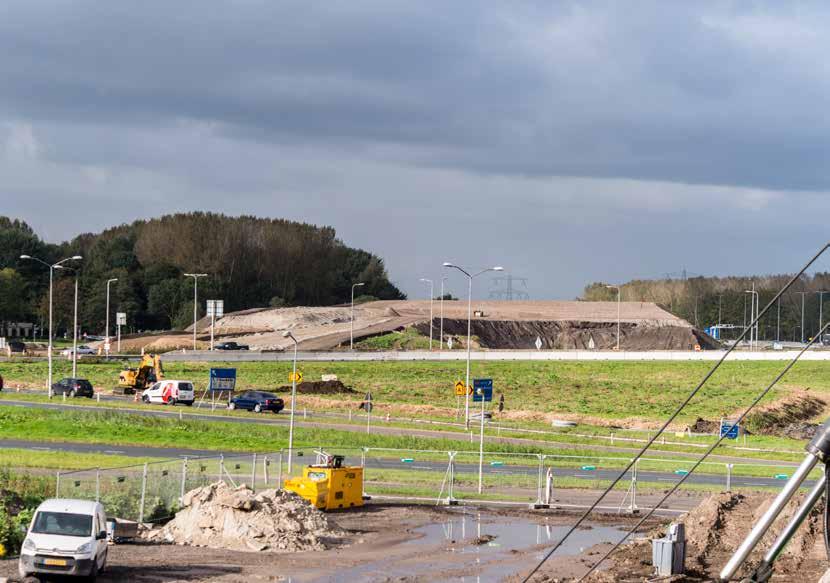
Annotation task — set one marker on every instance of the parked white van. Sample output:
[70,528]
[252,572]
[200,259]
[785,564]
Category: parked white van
[66,537]
[169,393]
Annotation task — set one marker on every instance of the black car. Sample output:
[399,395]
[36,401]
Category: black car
[257,401]
[16,346]
[231,346]
[73,388]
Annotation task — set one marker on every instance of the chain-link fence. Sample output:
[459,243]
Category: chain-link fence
[153,491]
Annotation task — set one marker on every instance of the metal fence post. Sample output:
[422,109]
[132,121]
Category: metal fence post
[253,474]
[279,472]
[221,467]
[143,492]
[58,485]
[540,481]
[265,470]
[728,477]
[184,477]
[549,487]
[633,507]
[451,501]
[363,465]
[97,484]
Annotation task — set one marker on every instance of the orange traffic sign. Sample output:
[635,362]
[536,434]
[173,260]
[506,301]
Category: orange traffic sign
[459,388]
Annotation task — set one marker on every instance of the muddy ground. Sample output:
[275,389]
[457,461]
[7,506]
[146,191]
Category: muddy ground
[382,543]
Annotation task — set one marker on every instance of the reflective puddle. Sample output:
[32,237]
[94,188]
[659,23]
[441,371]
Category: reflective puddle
[477,547]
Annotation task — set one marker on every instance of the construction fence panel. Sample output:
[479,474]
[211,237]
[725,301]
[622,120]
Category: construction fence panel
[496,477]
[399,473]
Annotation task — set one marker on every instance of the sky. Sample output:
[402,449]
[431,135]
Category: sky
[569,142]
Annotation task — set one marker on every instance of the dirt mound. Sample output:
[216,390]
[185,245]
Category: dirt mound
[704,426]
[803,431]
[575,335]
[777,418]
[320,388]
[715,529]
[221,517]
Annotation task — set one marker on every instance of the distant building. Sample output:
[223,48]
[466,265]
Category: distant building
[17,329]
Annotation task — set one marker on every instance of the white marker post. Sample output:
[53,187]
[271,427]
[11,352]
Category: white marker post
[481,442]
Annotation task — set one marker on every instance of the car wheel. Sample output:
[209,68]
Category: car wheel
[93,573]
[171,401]
[257,408]
[72,393]
[145,399]
[231,405]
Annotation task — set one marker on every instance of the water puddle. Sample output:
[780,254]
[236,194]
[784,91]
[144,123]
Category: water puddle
[477,547]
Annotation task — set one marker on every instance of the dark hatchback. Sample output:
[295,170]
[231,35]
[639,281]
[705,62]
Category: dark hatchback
[73,388]
[231,346]
[257,401]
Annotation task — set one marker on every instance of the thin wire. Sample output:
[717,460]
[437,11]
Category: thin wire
[674,415]
[709,451]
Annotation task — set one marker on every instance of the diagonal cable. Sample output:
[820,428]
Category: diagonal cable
[707,452]
[677,412]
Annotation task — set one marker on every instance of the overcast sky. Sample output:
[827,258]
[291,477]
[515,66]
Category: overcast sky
[568,141]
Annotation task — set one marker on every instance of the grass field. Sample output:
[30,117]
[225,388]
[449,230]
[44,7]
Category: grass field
[601,390]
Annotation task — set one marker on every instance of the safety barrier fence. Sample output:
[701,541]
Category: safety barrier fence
[153,491]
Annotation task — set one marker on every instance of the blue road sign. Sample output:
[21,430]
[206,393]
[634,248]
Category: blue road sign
[222,379]
[729,429]
[482,390]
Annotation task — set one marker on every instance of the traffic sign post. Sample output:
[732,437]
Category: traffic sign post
[120,320]
[215,309]
[483,393]
[221,380]
[729,429]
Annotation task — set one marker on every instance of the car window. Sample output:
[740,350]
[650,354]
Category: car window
[268,395]
[62,523]
[185,387]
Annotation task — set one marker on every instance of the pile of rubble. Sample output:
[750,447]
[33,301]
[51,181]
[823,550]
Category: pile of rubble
[218,516]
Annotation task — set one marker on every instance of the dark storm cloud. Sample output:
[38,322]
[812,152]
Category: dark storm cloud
[565,126]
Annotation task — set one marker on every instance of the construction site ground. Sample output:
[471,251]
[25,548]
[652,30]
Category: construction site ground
[382,542]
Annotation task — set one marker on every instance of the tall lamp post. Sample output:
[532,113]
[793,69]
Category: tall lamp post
[803,295]
[51,267]
[195,277]
[107,318]
[288,334]
[351,318]
[441,309]
[431,297]
[74,325]
[753,333]
[469,328]
[820,311]
[619,297]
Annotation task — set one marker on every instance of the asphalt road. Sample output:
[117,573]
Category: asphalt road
[492,464]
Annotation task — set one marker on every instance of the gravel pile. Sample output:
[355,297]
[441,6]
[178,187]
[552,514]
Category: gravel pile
[218,516]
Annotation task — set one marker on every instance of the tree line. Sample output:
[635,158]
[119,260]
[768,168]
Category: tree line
[707,301]
[251,262]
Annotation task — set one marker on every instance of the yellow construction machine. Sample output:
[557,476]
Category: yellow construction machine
[329,485]
[133,380]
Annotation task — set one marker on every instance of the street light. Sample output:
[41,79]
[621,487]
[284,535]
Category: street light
[820,309]
[431,296]
[74,325]
[803,295]
[619,296]
[756,300]
[441,309]
[107,333]
[469,327]
[288,334]
[351,319]
[51,267]
[195,277]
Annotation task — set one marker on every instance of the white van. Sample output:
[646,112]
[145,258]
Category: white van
[66,537]
[169,393]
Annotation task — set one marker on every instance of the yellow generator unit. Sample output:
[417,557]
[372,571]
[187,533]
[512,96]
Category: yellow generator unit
[330,485]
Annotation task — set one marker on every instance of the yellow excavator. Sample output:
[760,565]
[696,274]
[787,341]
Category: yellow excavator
[133,380]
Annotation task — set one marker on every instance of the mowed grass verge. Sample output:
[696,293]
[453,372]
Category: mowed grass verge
[607,390]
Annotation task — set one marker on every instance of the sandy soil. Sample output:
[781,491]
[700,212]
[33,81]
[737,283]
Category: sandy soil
[383,543]
[318,328]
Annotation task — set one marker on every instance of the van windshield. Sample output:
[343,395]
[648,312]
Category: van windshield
[63,523]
